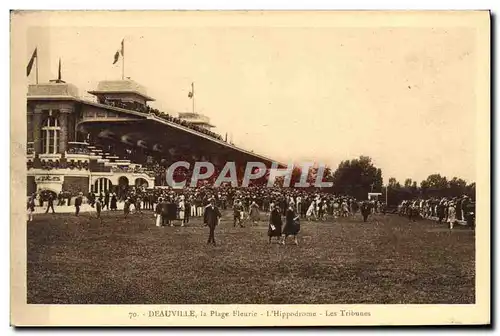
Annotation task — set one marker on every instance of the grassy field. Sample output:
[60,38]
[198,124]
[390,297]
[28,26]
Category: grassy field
[80,260]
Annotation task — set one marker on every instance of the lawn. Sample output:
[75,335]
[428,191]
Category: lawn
[81,260]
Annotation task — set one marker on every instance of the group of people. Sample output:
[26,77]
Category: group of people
[49,165]
[165,116]
[31,204]
[282,208]
[450,210]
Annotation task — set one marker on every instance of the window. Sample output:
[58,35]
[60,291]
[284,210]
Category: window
[50,135]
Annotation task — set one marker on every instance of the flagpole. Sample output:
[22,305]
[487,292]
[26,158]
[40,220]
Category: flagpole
[123,66]
[36,65]
[386,193]
[192,90]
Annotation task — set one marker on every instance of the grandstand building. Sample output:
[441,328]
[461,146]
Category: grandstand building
[115,142]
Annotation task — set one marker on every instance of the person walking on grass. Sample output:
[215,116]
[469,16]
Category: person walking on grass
[106,200]
[237,212]
[311,211]
[211,218]
[275,224]
[254,212]
[98,207]
[114,202]
[452,214]
[50,204]
[158,211]
[181,207]
[31,207]
[137,204]
[78,203]
[292,225]
[365,210]
[187,215]
[126,207]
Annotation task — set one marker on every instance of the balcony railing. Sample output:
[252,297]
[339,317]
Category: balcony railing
[78,148]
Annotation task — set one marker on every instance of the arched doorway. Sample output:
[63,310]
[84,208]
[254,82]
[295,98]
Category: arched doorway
[122,186]
[102,185]
[123,181]
[141,183]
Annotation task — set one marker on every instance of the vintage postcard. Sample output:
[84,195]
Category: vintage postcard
[250,168]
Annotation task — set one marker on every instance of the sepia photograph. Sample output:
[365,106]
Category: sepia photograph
[250,167]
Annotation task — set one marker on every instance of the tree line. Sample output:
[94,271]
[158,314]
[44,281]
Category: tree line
[357,177]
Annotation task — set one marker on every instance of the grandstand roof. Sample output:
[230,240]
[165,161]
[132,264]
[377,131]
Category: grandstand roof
[52,90]
[121,86]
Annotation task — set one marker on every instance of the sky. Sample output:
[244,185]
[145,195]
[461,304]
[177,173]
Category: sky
[405,96]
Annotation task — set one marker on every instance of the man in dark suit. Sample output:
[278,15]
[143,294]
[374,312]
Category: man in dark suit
[211,218]
[106,200]
[365,210]
[78,203]
[50,204]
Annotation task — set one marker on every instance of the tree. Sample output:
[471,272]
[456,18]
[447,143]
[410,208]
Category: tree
[357,177]
[470,190]
[435,186]
[392,182]
[408,183]
[457,187]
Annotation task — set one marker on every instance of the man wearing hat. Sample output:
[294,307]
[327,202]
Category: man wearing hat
[366,210]
[237,212]
[211,218]
[78,203]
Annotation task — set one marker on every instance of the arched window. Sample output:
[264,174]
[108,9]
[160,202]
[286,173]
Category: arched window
[50,135]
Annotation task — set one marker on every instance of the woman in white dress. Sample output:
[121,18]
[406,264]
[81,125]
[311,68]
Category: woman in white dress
[311,211]
[182,209]
[254,212]
[452,214]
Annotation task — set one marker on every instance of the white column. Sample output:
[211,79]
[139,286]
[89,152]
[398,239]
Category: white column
[47,143]
[55,141]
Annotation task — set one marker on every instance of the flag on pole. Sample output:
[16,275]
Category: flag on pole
[59,72]
[30,64]
[191,93]
[119,52]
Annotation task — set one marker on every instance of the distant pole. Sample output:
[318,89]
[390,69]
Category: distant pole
[386,193]
[36,66]
[59,76]
[192,90]
[123,58]
[123,66]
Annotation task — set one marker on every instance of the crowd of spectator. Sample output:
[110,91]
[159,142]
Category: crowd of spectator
[138,107]
[57,164]
[135,169]
[449,210]
[78,150]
